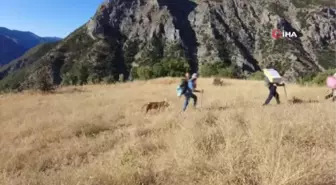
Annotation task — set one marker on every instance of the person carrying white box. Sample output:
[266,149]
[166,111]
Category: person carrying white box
[272,81]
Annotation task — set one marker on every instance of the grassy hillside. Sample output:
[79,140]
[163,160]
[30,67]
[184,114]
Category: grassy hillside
[94,135]
[15,72]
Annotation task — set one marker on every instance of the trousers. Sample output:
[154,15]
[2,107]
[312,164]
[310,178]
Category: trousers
[272,93]
[187,99]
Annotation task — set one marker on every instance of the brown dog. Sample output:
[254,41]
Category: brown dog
[155,105]
[296,100]
[217,82]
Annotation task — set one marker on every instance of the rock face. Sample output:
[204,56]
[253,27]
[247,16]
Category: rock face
[125,33]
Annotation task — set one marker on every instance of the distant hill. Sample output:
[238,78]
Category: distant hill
[14,43]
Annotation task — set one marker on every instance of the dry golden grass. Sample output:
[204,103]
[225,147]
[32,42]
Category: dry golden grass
[97,135]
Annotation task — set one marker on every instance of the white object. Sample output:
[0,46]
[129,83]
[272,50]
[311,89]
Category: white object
[273,75]
[179,91]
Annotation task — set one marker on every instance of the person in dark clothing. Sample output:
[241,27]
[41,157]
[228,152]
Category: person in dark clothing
[189,92]
[272,87]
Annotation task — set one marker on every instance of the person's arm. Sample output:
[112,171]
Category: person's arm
[281,84]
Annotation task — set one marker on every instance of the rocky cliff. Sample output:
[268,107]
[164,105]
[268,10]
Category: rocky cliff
[127,33]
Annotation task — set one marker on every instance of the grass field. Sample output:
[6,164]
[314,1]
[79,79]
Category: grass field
[97,135]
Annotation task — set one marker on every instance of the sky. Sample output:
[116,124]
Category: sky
[46,17]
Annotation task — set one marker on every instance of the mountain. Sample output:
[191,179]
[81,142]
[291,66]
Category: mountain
[152,38]
[15,43]
[9,49]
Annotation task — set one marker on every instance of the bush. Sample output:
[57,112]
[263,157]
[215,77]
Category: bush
[159,70]
[259,75]
[219,69]
[166,67]
[69,79]
[320,78]
[108,80]
[121,78]
[82,74]
[229,72]
[208,70]
[94,78]
[175,67]
[215,69]
[44,82]
[316,78]
[145,73]
[134,73]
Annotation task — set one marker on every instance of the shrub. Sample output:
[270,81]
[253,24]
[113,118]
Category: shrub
[229,72]
[82,74]
[69,79]
[166,67]
[208,70]
[320,78]
[134,73]
[159,70]
[108,80]
[121,78]
[44,82]
[216,69]
[94,78]
[259,75]
[145,73]
[316,78]
[175,67]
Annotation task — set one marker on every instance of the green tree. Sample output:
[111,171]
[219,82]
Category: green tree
[83,74]
[130,50]
[44,82]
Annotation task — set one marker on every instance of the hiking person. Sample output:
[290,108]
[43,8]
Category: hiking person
[331,81]
[189,89]
[272,87]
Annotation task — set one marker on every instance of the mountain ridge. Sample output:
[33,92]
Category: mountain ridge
[23,41]
[146,35]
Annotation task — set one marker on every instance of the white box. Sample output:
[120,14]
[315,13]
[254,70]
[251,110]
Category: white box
[273,75]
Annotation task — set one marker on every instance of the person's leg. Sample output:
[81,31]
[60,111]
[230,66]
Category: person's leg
[270,95]
[276,95]
[186,102]
[194,97]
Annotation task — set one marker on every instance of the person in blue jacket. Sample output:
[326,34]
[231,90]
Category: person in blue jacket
[191,87]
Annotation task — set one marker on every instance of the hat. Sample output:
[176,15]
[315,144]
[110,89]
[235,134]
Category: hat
[194,76]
